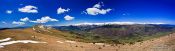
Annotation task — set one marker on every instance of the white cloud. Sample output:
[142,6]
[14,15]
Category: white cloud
[96,9]
[9,11]
[61,10]
[67,17]
[24,19]
[28,9]
[18,23]
[97,5]
[44,20]
[4,22]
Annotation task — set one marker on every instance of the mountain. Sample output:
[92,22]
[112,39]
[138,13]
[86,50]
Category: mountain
[107,33]
[15,28]
[114,33]
[135,37]
[116,23]
[36,38]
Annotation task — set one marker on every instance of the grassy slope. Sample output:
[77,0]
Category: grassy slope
[86,37]
[28,33]
[107,35]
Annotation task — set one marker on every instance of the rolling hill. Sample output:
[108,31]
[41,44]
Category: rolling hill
[88,38]
[118,34]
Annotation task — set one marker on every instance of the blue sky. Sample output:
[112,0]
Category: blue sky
[65,12]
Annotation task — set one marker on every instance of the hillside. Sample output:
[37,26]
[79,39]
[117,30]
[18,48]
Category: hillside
[37,38]
[118,34]
[46,38]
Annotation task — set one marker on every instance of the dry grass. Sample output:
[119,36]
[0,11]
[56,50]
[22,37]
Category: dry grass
[53,45]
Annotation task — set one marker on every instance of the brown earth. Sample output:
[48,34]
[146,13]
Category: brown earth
[157,44]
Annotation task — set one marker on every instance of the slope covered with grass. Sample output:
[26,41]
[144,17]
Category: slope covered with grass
[117,34]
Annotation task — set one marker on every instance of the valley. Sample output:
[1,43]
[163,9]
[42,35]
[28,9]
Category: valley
[61,40]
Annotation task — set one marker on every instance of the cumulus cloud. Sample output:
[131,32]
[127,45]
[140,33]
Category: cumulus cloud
[44,19]
[67,17]
[9,11]
[28,9]
[96,9]
[18,23]
[61,10]
[24,19]
[97,5]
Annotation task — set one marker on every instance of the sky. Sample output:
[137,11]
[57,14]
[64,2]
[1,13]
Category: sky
[68,12]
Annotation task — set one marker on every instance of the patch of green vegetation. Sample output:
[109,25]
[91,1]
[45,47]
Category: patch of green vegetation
[92,38]
[113,34]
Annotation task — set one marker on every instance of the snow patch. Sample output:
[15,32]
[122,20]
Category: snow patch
[60,42]
[34,29]
[2,44]
[99,44]
[41,26]
[70,41]
[119,23]
[6,39]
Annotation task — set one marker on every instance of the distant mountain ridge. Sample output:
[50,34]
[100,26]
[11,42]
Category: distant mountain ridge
[96,26]
[116,23]
[15,28]
[108,33]
[115,33]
